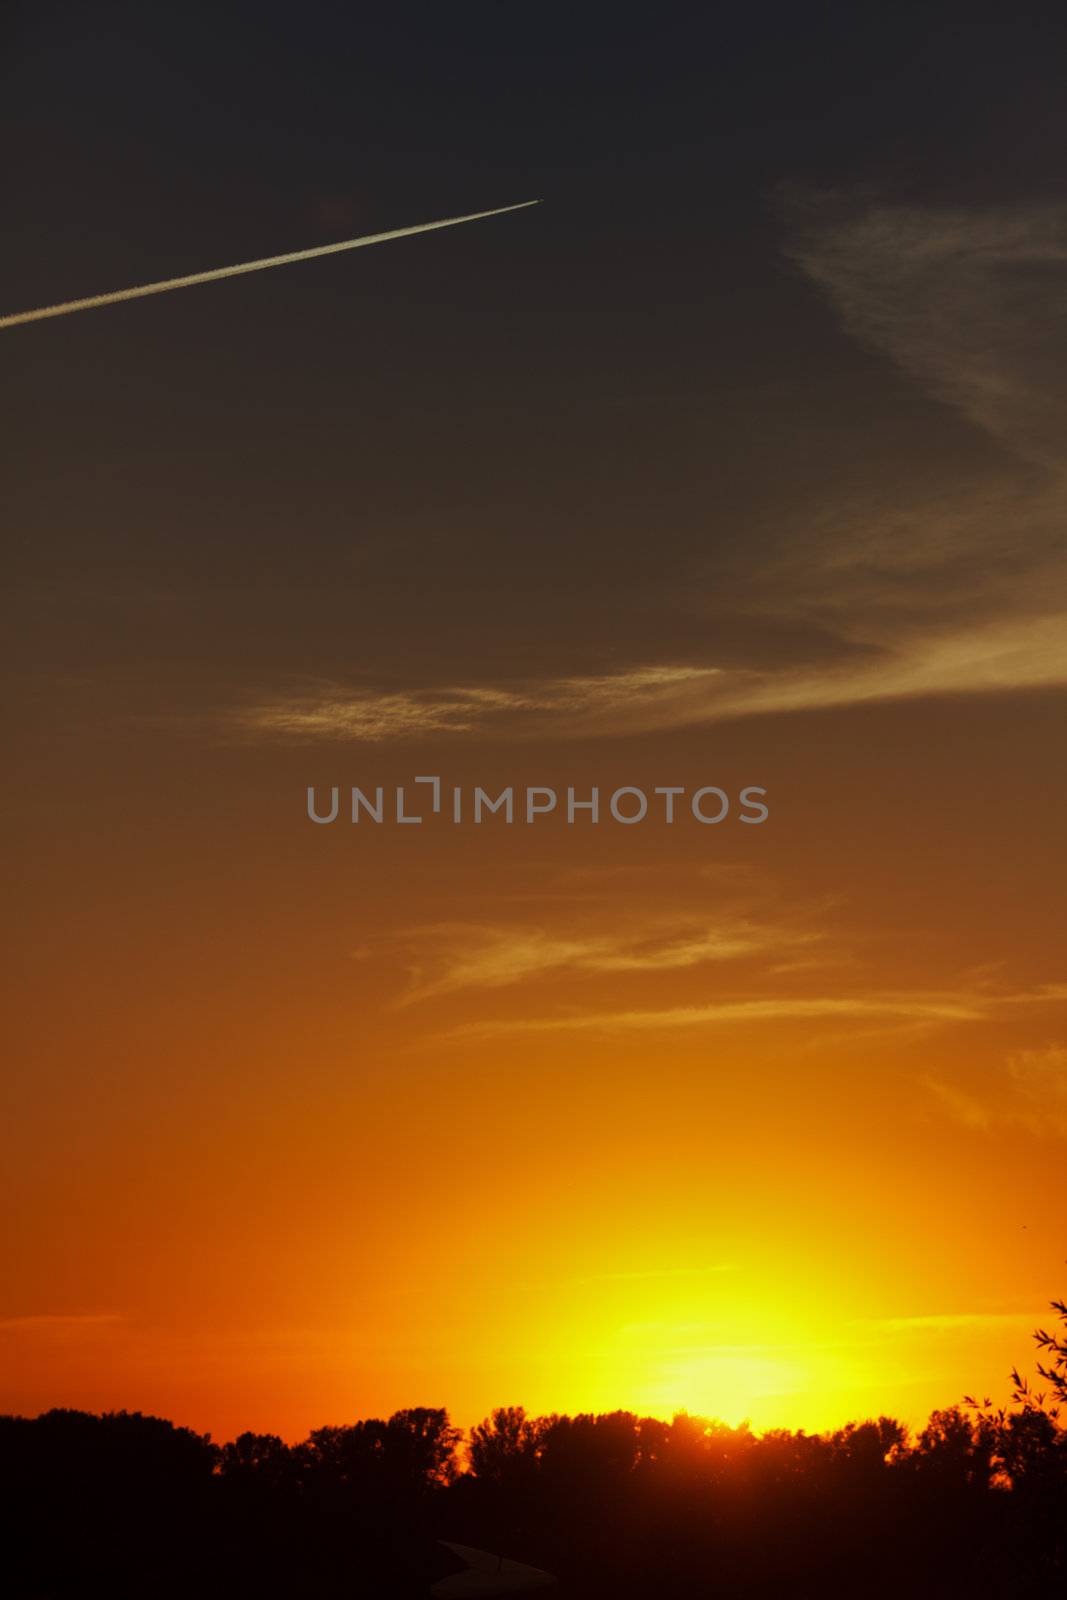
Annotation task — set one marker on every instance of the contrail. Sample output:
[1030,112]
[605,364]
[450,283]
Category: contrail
[247,266]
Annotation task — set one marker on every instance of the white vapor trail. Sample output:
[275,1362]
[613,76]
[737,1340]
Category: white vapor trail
[247,266]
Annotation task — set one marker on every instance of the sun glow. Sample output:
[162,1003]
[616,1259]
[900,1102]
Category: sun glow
[730,1385]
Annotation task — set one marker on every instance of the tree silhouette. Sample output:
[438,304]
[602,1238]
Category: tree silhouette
[616,1504]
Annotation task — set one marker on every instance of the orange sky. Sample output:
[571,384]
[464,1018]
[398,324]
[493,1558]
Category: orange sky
[334,1120]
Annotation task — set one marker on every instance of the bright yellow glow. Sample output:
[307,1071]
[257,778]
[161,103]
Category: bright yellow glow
[296,1187]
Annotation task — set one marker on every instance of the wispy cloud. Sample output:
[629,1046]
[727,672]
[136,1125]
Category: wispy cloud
[994,656]
[961,1106]
[942,586]
[970,302]
[890,1008]
[1038,1080]
[1029,1093]
[914,1007]
[451,956]
[947,1321]
[330,711]
[896,662]
[60,1322]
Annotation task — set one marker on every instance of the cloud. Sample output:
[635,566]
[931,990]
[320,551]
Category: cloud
[1038,1079]
[1040,1071]
[935,586]
[454,956]
[917,1007]
[995,656]
[60,1322]
[987,657]
[330,711]
[364,714]
[1029,1093]
[962,1107]
[972,303]
[946,1321]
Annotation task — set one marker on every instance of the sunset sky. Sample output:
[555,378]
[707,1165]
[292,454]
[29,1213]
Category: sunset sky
[738,461]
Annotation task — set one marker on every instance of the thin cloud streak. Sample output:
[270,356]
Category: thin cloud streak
[44,1322]
[737,1011]
[993,658]
[462,956]
[914,1006]
[334,713]
[92,302]
[945,1321]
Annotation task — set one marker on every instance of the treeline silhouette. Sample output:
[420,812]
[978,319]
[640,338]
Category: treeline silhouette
[614,1504]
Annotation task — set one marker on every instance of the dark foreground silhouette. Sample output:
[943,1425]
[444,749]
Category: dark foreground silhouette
[613,1505]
